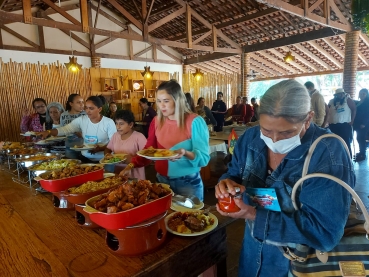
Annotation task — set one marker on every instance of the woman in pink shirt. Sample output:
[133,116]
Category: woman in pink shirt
[126,141]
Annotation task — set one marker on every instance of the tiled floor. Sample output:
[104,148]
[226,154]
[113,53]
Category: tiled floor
[235,230]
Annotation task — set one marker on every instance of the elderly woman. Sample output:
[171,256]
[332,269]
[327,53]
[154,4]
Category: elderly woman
[271,156]
[53,112]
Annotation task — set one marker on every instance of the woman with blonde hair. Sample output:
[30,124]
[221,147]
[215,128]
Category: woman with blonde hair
[177,128]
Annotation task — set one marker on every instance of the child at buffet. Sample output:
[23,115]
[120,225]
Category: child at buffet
[74,108]
[126,141]
[177,128]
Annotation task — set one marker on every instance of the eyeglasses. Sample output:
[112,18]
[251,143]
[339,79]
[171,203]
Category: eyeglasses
[38,107]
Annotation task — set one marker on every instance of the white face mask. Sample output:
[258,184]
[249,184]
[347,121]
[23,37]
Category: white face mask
[282,146]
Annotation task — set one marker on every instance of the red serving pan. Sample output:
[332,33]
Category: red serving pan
[128,218]
[66,183]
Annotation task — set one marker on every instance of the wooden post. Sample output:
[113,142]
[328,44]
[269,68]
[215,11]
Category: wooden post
[84,15]
[245,67]
[145,31]
[351,62]
[27,13]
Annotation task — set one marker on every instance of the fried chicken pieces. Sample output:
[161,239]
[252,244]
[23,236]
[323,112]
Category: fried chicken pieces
[129,195]
[189,222]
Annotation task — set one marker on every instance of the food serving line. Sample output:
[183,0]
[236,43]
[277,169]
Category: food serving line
[40,234]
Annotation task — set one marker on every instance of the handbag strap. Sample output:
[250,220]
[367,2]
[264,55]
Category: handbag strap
[306,176]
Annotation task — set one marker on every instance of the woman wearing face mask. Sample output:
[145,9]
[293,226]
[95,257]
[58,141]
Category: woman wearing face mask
[177,128]
[36,121]
[97,130]
[271,157]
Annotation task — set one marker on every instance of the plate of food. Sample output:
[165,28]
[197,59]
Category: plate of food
[178,208]
[157,154]
[43,142]
[189,224]
[52,138]
[82,147]
[113,159]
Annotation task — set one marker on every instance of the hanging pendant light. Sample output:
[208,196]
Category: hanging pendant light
[147,73]
[72,66]
[198,74]
[289,57]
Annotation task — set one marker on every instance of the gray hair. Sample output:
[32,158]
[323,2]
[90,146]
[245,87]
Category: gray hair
[288,99]
[56,105]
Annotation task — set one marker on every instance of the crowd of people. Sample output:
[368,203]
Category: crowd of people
[270,155]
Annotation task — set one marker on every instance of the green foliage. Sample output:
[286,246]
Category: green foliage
[360,14]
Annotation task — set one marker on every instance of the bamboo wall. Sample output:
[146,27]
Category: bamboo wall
[209,85]
[20,83]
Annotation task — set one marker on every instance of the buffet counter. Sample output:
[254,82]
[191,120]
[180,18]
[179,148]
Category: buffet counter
[38,240]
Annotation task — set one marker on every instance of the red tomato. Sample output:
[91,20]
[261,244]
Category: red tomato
[228,205]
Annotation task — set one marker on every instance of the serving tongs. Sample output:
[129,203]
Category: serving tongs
[186,201]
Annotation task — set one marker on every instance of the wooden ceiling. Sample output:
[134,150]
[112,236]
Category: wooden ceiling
[211,34]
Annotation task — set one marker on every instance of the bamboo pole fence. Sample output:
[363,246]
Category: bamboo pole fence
[209,85]
[20,83]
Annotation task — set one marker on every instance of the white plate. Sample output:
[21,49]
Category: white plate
[106,175]
[43,142]
[28,134]
[207,230]
[122,156]
[55,138]
[85,147]
[179,208]
[156,158]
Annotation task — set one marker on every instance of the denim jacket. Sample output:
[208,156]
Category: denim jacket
[324,204]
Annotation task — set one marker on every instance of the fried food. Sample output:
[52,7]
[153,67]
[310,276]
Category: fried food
[39,158]
[129,195]
[189,222]
[70,172]
[151,152]
[12,145]
[91,186]
[113,158]
[25,151]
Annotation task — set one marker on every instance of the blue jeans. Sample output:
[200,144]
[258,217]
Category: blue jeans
[185,185]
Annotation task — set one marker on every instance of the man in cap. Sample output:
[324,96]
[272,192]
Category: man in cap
[317,104]
[342,111]
[219,109]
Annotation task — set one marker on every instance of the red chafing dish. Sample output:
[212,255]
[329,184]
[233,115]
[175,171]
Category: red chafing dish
[66,183]
[130,217]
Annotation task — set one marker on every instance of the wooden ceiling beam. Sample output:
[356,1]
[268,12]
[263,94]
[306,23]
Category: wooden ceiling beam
[68,33]
[72,7]
[311,56]
[334,47]
[166,19]
[260,66]
[301,59]
[126,14]
[189,26]
[224,66]
[281,62]
[109,17]
[61,11]
[210,26]
[316,34]
[84,15]
[303,13]
[106,41]
[206,68]
[143,51]
[202,37]
[281,71]
[2,3]
[325,53]
[19,36]
[161,49]
[27,13]
[219,67]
